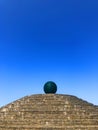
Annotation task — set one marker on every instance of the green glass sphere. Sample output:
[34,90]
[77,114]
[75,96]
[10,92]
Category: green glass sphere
[50,87]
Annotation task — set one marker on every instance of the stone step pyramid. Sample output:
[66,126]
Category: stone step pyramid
[49,112]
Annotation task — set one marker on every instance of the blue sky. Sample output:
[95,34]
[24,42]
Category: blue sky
[48,40]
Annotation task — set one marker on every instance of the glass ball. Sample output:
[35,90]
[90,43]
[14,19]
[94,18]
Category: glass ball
[50,87]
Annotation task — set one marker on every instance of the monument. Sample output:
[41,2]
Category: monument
[49,111]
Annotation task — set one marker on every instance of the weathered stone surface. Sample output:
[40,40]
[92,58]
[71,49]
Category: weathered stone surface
[49,112]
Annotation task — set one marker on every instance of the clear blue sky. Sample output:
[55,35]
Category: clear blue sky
[42,40]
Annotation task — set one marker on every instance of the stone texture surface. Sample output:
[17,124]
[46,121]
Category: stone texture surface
[49,112]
